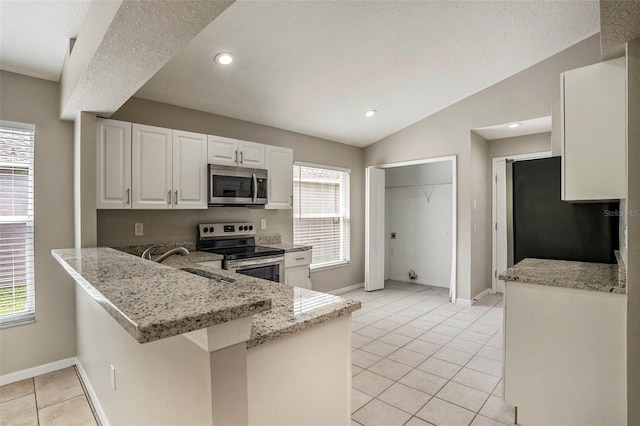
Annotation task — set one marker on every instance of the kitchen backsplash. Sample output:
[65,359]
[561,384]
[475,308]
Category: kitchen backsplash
[116,227]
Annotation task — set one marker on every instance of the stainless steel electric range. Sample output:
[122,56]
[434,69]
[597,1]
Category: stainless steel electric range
[237,243]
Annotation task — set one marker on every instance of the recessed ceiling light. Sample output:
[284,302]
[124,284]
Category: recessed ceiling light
[514,125]
[370,113]
[224,58]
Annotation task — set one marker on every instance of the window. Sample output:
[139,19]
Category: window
[17,298]
[321,212]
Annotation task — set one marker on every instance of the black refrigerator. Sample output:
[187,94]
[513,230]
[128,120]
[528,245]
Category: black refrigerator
[541,225]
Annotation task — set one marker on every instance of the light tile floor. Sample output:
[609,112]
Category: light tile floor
[420,360]
[57,398]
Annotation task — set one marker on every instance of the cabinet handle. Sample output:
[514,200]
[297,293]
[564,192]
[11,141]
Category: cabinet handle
[299,258]
[241,157]
[236,155]
[176,201]
[169,198]
[128,196]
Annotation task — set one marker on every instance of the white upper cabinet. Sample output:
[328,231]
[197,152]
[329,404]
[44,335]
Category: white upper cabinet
[234,152]
[593,132]
[146,167]
[152,169]
[222,151]
[189,170]
[251,154]
[279,162]
[113,164]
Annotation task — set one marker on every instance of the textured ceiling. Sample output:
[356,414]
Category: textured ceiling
[34,35]
[316,67]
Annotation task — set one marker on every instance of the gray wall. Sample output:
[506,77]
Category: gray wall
[526,144]
[633,249]
[480,215]
[116,227]
[526,95]
[52,337]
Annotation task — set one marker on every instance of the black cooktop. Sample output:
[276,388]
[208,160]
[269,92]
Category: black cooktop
[246,252]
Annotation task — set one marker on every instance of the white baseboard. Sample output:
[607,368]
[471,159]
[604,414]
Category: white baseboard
[346,289]
[39,370]
[404,279]
[469,302]
[92,394]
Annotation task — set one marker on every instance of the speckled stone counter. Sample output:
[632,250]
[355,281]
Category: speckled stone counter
[562,273]
[289,247]
[154,301]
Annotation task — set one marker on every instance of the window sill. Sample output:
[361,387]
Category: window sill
[17,323]
[329,266]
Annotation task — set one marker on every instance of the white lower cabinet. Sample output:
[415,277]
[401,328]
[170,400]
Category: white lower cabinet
[297,266]
[565,355]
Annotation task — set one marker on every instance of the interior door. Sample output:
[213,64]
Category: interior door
[374,230]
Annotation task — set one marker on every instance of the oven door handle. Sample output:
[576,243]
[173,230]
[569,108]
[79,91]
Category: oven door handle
[237,264]
[255,188]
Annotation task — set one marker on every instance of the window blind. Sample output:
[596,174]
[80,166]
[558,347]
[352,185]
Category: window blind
[17,292]
[321,213]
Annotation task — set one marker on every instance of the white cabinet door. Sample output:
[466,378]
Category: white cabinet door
[223,151]
[113,165]
[298,277]
[152,167]
[189,170]
[251,154]
[279,162]
[594,138]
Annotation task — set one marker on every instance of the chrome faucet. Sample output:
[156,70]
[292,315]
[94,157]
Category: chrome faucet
[180,251]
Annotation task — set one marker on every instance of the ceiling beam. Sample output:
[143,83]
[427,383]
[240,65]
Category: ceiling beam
[122,44]
[619,24]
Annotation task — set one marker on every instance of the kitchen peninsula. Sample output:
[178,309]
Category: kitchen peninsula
[159,345]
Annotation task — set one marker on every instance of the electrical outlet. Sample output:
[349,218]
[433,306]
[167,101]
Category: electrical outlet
[113,377]
[139,231]
[263,223]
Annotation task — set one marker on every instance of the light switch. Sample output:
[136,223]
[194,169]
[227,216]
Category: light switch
[263,223]
[139,229]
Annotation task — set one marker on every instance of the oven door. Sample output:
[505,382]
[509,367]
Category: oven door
[269,268]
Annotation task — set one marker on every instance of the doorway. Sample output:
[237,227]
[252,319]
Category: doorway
[499,214]
[422,194]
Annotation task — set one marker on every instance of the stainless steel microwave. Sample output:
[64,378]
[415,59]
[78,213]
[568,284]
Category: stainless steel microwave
[235,186]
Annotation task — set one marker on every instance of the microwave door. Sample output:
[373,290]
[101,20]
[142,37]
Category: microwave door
[227,189]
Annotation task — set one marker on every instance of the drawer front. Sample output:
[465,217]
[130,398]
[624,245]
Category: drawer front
[297,258]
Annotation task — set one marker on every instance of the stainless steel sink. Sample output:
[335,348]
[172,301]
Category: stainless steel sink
[210,275]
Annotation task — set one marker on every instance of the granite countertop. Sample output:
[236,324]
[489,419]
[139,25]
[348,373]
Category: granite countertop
[563,273]
[288,247]
[153,301]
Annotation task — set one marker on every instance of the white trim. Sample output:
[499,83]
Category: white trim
[17,125]
[465,302]
[39,370]
[346,289]
[415,162]
[325,266]
[321,166]
[404,279]
[92,395]
[482,294]
[494,236]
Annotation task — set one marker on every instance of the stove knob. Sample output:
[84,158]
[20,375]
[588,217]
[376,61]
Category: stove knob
[251,228]
[244,228]
[205,230]
[211,229]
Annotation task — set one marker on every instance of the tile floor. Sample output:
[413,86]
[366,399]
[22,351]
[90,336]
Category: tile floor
[56,398]
[420,360]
